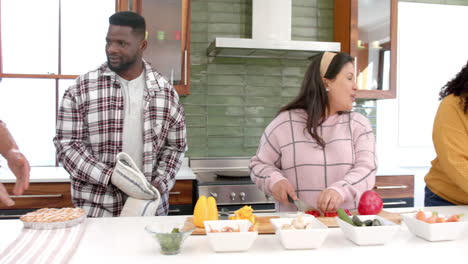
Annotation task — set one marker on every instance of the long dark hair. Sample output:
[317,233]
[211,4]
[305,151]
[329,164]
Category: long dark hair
[457,86]
[313,97]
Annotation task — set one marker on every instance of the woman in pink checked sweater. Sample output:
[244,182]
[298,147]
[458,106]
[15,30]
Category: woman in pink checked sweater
[316,149]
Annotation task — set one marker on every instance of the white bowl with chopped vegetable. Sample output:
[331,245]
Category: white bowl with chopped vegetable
[380,232]
[230,235]
[300,232]
[170,236]
[434,231]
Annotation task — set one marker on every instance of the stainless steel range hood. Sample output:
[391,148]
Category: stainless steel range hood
[271,36]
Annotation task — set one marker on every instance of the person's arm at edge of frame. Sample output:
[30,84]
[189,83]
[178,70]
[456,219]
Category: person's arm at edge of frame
[17,163]
[71,150]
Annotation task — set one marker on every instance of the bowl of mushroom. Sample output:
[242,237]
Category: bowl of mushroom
[300,232]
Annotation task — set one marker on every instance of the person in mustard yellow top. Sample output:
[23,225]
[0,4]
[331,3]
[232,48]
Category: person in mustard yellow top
[447,180]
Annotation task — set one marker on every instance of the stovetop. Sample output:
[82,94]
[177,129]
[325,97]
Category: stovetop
[233,190]
[211,178]
[206,169]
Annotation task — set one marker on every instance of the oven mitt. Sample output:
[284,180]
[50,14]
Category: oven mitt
[143,198]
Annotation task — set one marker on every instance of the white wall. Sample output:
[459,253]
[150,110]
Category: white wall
[432,48]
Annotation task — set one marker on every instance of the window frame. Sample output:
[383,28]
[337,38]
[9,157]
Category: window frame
[57,77]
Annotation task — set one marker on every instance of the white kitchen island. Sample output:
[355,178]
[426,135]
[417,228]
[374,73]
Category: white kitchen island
[124,240]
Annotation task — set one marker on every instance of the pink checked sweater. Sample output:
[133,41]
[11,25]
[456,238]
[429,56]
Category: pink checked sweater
[287,151]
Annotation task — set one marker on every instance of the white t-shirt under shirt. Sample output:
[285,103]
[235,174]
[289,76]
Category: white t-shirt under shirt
[132,138]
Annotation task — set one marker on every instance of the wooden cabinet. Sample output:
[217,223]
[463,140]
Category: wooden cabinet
[396,191]
[57,195]
[367,30]
[38,195]
[181,198]
[168,27]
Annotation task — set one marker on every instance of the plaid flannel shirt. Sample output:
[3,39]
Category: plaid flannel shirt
[89,136]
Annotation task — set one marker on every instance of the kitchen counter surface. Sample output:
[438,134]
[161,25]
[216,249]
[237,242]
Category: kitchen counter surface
[124,240]
[59,174]
[387,171]
[37,174]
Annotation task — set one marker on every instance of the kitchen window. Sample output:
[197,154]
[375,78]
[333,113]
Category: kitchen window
[44,46]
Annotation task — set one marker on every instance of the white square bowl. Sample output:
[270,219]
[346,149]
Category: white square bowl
[436,231]
[369,235]
[300,238]
[241,240]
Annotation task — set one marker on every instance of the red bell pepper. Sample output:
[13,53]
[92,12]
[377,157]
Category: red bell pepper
[326,214]
[313,212]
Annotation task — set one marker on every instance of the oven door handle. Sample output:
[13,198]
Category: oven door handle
[226,212]
[265,211]
[259,211]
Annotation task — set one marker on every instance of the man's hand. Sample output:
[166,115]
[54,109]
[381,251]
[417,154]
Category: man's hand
[4,198]
[281,189]
[19,165]
[329,200]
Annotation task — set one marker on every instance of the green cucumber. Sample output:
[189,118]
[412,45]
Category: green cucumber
[376,222]
[368,222]
[344,216]
[357,221]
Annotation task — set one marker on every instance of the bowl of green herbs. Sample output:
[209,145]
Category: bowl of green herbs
[170,236]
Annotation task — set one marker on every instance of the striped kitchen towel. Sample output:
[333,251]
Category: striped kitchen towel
[144,198]
[43,246]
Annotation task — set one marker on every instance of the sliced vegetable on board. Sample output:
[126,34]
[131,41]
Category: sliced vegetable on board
[317,213]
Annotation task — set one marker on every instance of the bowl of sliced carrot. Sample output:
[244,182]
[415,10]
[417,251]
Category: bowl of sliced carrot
[432,226]
[230,235]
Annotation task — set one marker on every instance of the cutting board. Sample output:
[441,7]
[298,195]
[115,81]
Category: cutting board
[265,227]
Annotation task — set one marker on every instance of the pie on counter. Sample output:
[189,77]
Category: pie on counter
[53,218]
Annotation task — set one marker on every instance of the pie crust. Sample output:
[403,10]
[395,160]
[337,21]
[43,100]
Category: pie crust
[53,218]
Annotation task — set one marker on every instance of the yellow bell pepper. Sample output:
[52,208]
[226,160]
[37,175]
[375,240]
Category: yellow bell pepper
[205,209]
[245,212]
[200,213]
[212,209]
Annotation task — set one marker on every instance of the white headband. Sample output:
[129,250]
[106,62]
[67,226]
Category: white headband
[327,57]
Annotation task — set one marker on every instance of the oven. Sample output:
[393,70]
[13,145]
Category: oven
[228,181]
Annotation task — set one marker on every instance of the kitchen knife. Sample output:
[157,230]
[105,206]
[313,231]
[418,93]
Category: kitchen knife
[301,205]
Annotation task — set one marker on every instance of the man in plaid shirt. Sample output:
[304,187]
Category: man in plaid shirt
[124,105]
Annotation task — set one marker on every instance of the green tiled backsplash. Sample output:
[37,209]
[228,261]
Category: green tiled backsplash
[232,100]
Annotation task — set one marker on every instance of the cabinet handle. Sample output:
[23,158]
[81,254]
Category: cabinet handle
[260,211]
[174,211]
[37,196]
[265,211]
[391,187]
[174,193]
[395,203]
[185,67]
[9,216]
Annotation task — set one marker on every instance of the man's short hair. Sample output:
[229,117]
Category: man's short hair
[129,19]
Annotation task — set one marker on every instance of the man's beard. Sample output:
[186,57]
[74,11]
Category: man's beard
[122,66]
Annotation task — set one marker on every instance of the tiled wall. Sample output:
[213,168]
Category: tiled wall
[232,100]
